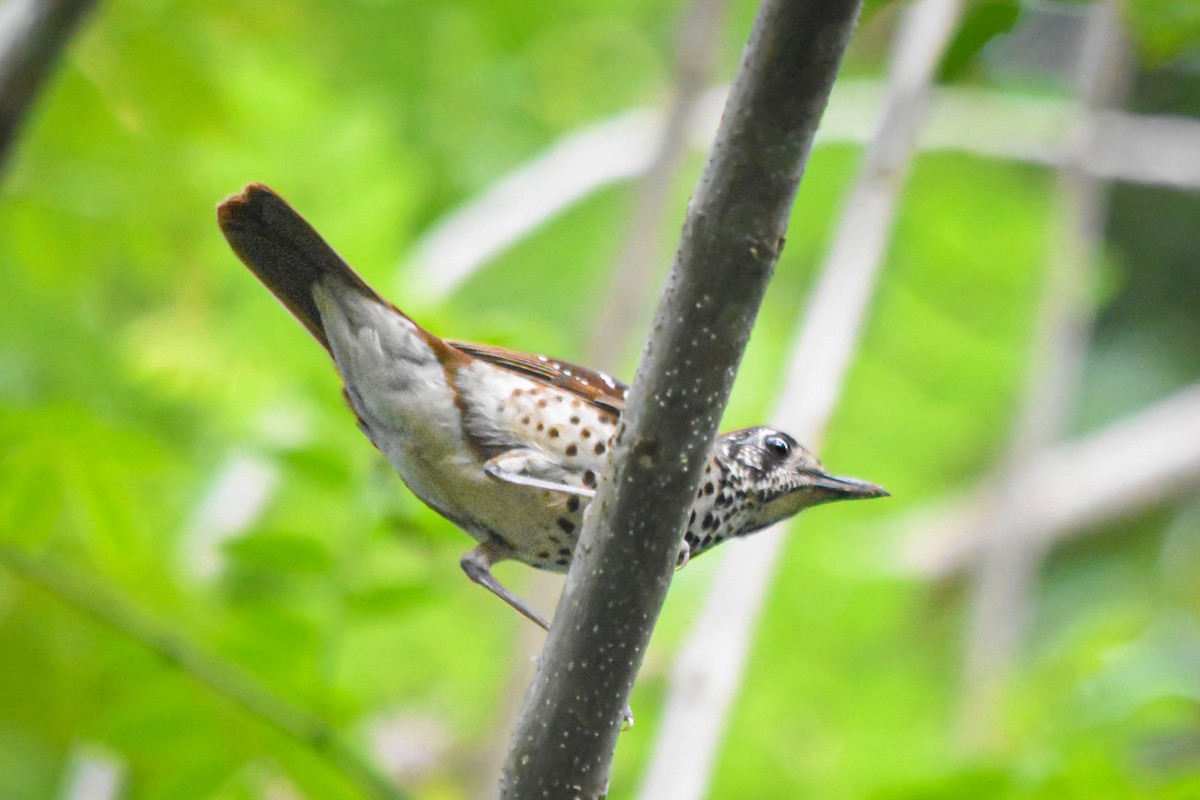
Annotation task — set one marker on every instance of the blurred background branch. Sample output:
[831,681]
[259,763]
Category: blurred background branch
[32,34]
[626,301]
[1007,569]
[1159,150]
[1144,460]
[223,680]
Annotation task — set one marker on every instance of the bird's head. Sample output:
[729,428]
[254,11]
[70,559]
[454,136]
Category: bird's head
[773,477]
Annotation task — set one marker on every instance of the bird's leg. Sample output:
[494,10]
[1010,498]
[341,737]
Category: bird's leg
[478,563]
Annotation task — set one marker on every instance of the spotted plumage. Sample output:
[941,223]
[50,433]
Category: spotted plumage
[508,446]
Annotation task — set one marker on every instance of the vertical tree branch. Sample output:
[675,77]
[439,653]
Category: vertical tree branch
[563,744]
[32,33]
[708,670]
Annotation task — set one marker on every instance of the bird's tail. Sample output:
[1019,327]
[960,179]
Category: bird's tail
[286,254]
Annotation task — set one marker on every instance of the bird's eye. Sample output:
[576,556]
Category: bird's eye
[777,446]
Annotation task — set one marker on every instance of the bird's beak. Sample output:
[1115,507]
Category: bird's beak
[847,488]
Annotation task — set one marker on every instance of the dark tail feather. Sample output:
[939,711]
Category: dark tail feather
[284,251]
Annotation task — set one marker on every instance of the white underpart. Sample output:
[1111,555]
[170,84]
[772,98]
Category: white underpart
[398,388]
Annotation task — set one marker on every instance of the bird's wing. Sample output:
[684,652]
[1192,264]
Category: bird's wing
[598,388]
[536,469]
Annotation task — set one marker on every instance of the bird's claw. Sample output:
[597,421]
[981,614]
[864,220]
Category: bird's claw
[684,555]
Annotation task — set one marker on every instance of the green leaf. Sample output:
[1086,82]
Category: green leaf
[383,600]
[279,552]
[982,22]
[1163,29]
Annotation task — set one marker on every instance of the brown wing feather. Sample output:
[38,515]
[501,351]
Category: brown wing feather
[595,387]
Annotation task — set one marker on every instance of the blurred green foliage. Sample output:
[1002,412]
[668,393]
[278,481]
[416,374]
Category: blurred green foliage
[141,366]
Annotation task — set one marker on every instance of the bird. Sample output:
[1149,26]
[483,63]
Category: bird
[508,446]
